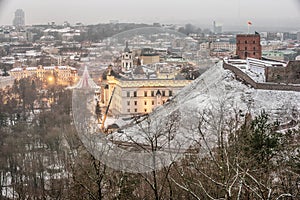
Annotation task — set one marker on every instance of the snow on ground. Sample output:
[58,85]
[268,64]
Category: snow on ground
[210,101]
[109,121]
[257,77]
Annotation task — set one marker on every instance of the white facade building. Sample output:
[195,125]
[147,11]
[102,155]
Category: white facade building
[140,96]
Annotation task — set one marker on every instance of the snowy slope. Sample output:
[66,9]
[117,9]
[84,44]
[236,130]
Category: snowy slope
[210,101]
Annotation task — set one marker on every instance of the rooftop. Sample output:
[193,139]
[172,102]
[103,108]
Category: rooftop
[45,68]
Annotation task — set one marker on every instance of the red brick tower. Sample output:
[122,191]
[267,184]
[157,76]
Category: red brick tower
[248,45]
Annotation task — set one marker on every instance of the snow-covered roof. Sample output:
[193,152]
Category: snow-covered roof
[71,34]
[31,68]
[45,68]
[64,30]
[16,69]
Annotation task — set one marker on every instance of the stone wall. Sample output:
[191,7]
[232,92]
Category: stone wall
[288,74]
[264,86]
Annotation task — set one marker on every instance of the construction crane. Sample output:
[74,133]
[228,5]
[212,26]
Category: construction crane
[106,112]
[98,111]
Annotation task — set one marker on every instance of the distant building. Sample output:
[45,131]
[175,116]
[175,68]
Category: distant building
[19,19]
[148,56]
[63,75]
[289,36]
[275,55]
[248,45]
[217,29]
[285,55]
[223,45]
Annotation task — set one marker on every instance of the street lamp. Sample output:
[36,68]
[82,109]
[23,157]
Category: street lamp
[50,79]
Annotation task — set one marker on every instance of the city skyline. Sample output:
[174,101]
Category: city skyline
[234,12]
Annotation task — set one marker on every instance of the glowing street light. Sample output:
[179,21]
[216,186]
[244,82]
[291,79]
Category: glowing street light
[50,79]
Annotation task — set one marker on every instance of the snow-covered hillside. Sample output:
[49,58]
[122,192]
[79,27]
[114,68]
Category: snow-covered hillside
[207,106]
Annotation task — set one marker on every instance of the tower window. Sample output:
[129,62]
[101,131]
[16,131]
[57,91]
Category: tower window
[128,94]
[145,93]
[134,93]
[135,103]
[278,77]
[152,93]
[145,103]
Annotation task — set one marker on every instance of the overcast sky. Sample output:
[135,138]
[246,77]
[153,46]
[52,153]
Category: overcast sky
[225,12]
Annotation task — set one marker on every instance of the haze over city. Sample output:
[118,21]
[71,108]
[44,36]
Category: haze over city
[267,13]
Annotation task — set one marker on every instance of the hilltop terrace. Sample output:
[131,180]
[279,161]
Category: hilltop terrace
[266,74]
